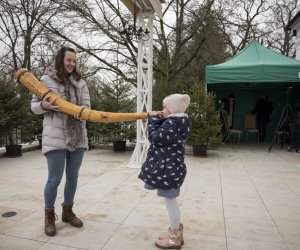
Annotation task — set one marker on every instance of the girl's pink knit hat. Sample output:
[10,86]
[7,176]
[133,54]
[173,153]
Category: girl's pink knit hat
[177,103]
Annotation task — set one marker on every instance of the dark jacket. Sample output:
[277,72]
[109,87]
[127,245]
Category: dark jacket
[164,167]
[263,110]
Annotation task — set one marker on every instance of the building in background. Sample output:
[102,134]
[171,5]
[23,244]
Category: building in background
[294,25]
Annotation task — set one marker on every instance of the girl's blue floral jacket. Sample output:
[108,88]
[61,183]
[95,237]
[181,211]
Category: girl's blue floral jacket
[164,167]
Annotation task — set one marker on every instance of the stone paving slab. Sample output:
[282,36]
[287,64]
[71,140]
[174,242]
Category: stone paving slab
[241,197]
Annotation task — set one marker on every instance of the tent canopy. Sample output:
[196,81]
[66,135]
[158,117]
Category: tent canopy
[254,64]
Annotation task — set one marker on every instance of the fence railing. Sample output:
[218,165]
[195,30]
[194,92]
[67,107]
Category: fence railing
[17,138]
[94,139]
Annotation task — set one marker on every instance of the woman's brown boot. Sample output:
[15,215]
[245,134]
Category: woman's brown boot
[50,218]
[69,216]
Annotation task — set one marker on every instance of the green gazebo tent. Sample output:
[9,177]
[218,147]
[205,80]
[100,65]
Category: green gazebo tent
[253,72]
[254,64]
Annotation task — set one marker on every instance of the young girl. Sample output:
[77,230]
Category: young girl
[164,168]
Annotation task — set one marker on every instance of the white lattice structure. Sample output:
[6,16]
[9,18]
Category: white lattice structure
[144,88]
[144,10]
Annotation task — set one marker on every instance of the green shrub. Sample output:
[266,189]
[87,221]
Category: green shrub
[206,123]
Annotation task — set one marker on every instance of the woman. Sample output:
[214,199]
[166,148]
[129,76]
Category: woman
[64,138]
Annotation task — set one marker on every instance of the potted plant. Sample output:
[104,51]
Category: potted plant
[206,125]
[14,115]
[121,133]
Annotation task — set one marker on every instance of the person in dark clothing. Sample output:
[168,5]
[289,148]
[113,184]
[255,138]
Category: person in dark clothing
[263,110]
[295,128]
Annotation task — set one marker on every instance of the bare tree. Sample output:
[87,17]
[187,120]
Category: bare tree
[192,39]
[196,29]
[281,39]
[94,28]
[242,21]
[98,25]
[263,20]
[20,28]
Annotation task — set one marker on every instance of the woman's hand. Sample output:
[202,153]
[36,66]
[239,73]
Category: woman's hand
[78,117]
[48,105]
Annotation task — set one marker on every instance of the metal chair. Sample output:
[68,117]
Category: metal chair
[229,132]
[250,126]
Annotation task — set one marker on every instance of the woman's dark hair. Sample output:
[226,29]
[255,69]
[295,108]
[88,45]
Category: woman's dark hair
[59,65]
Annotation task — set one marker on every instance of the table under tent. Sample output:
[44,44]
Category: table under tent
[253,72]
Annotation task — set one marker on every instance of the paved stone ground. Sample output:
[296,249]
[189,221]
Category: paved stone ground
[239,197]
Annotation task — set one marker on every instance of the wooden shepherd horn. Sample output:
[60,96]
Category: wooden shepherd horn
[40,90]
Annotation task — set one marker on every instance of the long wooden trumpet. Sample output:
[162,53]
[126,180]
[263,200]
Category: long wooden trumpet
[40,90]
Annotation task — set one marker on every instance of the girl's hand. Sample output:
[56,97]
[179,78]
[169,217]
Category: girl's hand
[156,113]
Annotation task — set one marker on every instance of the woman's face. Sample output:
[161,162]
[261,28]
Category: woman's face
[69,61]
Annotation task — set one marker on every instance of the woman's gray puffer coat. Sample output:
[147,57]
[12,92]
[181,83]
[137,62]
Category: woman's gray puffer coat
[54,123]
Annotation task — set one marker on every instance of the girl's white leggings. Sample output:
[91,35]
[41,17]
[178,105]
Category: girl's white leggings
[173,211]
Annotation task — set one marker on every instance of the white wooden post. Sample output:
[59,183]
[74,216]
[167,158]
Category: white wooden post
[144,88]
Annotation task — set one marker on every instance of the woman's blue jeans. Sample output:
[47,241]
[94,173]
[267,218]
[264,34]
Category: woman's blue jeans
[57,160]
